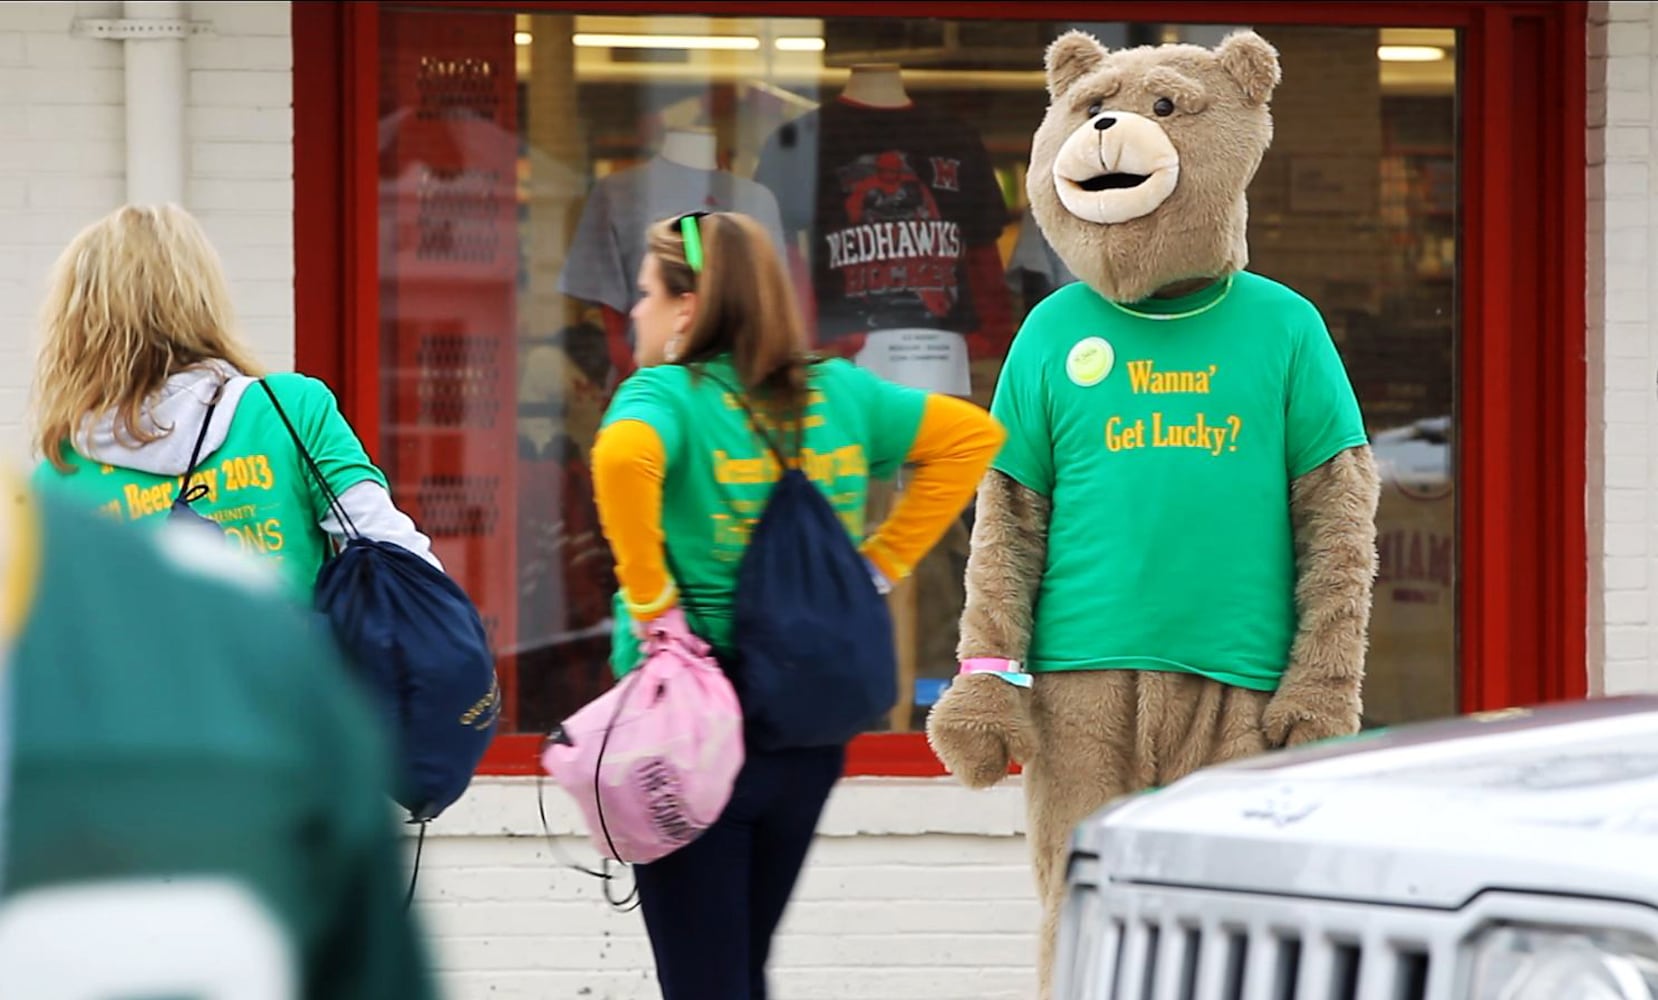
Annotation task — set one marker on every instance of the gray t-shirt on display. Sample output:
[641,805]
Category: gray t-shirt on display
[1033,253]
[609,245]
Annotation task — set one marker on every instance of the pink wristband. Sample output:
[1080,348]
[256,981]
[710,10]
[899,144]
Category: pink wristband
[989,665]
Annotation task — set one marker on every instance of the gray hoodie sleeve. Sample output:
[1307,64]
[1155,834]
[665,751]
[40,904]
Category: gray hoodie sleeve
[372,513]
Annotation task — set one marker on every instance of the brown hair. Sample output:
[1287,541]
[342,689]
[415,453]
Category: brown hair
[136,297]
[745,305]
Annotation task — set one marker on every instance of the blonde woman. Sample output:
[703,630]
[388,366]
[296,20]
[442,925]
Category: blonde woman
[145,394]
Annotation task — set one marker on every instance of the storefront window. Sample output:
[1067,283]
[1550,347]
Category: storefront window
[521,157]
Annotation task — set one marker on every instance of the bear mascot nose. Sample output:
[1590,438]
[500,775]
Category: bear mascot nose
[1104,123]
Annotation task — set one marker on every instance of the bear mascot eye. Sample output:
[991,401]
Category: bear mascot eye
[1163,108]
[1095,108]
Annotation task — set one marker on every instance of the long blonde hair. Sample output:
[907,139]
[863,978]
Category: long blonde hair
[136,297]
[745,304]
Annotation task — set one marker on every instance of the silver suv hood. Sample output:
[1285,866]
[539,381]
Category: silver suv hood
[1558,799]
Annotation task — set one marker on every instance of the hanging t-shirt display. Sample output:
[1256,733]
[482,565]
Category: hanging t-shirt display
[894,201]
[609,243]
[1034,270]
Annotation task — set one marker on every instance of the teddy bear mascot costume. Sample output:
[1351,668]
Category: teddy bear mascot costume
[1173,556]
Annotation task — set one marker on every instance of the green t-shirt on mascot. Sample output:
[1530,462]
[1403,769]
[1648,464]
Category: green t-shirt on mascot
[1129,404]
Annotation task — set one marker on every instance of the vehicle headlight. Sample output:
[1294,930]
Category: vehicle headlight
[1541,963]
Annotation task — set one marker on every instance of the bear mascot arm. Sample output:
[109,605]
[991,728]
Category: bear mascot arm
[1334,511]
[983,722]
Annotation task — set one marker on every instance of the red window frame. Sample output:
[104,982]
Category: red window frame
[1523,555]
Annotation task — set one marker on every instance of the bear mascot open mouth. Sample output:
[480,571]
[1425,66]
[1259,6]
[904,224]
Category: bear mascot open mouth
[1112,182]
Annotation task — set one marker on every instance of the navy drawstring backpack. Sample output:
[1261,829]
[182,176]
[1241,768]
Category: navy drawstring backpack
[812,659]
[418,643]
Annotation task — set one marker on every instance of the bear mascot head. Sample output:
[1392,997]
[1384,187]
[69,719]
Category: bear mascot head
[1138,172]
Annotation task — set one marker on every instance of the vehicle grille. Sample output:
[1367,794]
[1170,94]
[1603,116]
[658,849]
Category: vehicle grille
[1173,944]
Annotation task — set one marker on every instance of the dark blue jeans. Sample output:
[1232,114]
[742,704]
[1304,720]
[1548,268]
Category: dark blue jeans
[712,906]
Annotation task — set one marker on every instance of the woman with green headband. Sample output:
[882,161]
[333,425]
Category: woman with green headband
[680,477]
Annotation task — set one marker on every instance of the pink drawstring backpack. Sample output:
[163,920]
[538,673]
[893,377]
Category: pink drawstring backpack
[651,762]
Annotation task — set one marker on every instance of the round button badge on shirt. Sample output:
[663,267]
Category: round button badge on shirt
[1090,361]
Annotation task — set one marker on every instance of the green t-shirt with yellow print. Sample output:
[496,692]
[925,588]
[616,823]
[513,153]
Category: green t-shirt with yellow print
[258,488]
[1166,436]
[720,473]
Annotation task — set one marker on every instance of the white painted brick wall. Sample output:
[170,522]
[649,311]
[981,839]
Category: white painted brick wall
[63,155]
[1623,358]
[240,126]
[915,890]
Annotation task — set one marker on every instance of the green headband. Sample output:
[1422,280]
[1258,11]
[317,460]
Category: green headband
[693,241]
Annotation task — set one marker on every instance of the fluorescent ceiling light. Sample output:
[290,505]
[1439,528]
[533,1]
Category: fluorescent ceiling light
[799,44]
[1410,53]
[729,42]
[521,38]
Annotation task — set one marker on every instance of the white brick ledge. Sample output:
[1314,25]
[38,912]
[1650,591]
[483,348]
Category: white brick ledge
[858,807]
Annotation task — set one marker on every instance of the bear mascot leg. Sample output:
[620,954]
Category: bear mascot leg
[1123,730]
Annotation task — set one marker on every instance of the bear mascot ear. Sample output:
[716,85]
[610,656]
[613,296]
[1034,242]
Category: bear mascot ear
[1071,57]
[1252,62]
